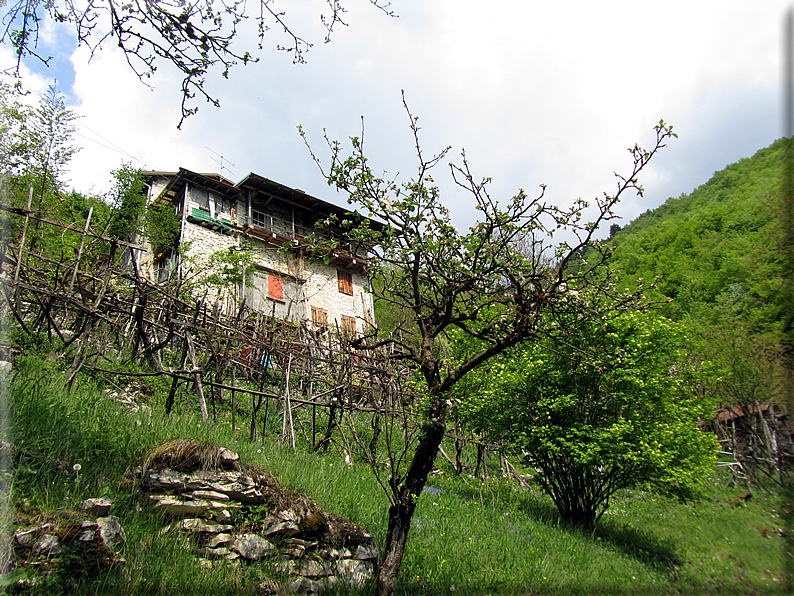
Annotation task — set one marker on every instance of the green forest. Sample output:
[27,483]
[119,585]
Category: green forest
[717,252]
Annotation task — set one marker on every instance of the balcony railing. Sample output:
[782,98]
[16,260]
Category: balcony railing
[284,228]
[221,222]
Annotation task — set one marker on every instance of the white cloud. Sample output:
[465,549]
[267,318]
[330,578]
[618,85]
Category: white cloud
[537,93]
[33,83]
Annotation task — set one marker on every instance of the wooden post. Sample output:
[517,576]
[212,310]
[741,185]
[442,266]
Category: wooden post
[287,402]
[80,250]
[234,427]
[314,415]
[197,378]
[22,240]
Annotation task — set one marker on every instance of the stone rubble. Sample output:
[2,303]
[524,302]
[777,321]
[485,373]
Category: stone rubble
[236,519]
[97,507]
[129,399]
[232,518]
[110,531]
[90,542]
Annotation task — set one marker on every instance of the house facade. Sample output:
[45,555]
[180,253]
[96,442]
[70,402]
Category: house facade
[247,242]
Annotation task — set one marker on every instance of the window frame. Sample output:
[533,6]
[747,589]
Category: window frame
[349,325]
[320,318]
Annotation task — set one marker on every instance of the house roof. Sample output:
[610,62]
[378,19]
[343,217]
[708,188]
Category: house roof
[212,175]
[215,182]
[259,188]
[253,182]
[294,196]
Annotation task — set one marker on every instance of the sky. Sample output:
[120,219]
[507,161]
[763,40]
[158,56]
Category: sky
[536,93]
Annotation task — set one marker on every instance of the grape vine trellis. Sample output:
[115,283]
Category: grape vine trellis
[246,360]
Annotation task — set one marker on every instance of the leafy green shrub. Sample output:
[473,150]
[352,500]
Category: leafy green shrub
[610,407]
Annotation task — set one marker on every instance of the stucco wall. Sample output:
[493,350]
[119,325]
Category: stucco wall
[269,259]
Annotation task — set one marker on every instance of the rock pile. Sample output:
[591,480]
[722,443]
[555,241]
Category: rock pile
[92,545]
[246,517]
[130,400]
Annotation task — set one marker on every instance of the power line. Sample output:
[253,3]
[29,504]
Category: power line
[112,146]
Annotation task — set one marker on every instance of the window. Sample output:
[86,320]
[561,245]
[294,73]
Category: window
[164,268]
[275,287]
[207,200]
[349,324]
[320,318]
[345,282]
[200,196]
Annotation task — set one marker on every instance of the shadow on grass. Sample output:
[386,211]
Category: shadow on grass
[652,551]
[508,588]
[657,552]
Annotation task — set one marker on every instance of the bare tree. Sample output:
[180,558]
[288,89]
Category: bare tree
[195,37]
[479,285]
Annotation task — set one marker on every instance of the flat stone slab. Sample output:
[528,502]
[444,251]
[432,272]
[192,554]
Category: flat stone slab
[111,532]
[313,569]
[209,495]
[221,505]
[169,505]
[335,553]
[48,546]
[283,529]
[165,479]
[26,538]
[252,547]
[366,553]
[97,507]
[228,456]
[215,552]
[354,571]
[219,540]
[304,585]
[200,525]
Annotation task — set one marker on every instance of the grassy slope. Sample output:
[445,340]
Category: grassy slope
[467,538]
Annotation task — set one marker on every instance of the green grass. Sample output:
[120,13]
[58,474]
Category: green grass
[649,545]
[467,538]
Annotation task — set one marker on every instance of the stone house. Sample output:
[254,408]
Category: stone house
[267,223]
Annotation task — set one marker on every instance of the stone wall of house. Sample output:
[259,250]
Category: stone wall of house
[145,259]
[269,259]
[195,263]
[322,291]
[306,283]
[156,186]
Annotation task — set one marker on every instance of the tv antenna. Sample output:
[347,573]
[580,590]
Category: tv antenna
[220,161]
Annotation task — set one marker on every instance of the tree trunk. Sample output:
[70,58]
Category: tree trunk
[329,430]
[373,444]
[401,512]
[480,459]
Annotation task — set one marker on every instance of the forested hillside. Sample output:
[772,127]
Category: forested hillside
[716,250]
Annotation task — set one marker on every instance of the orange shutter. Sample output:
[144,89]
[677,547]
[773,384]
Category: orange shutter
[275,287]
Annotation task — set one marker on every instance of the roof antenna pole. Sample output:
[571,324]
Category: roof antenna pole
[219,161]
